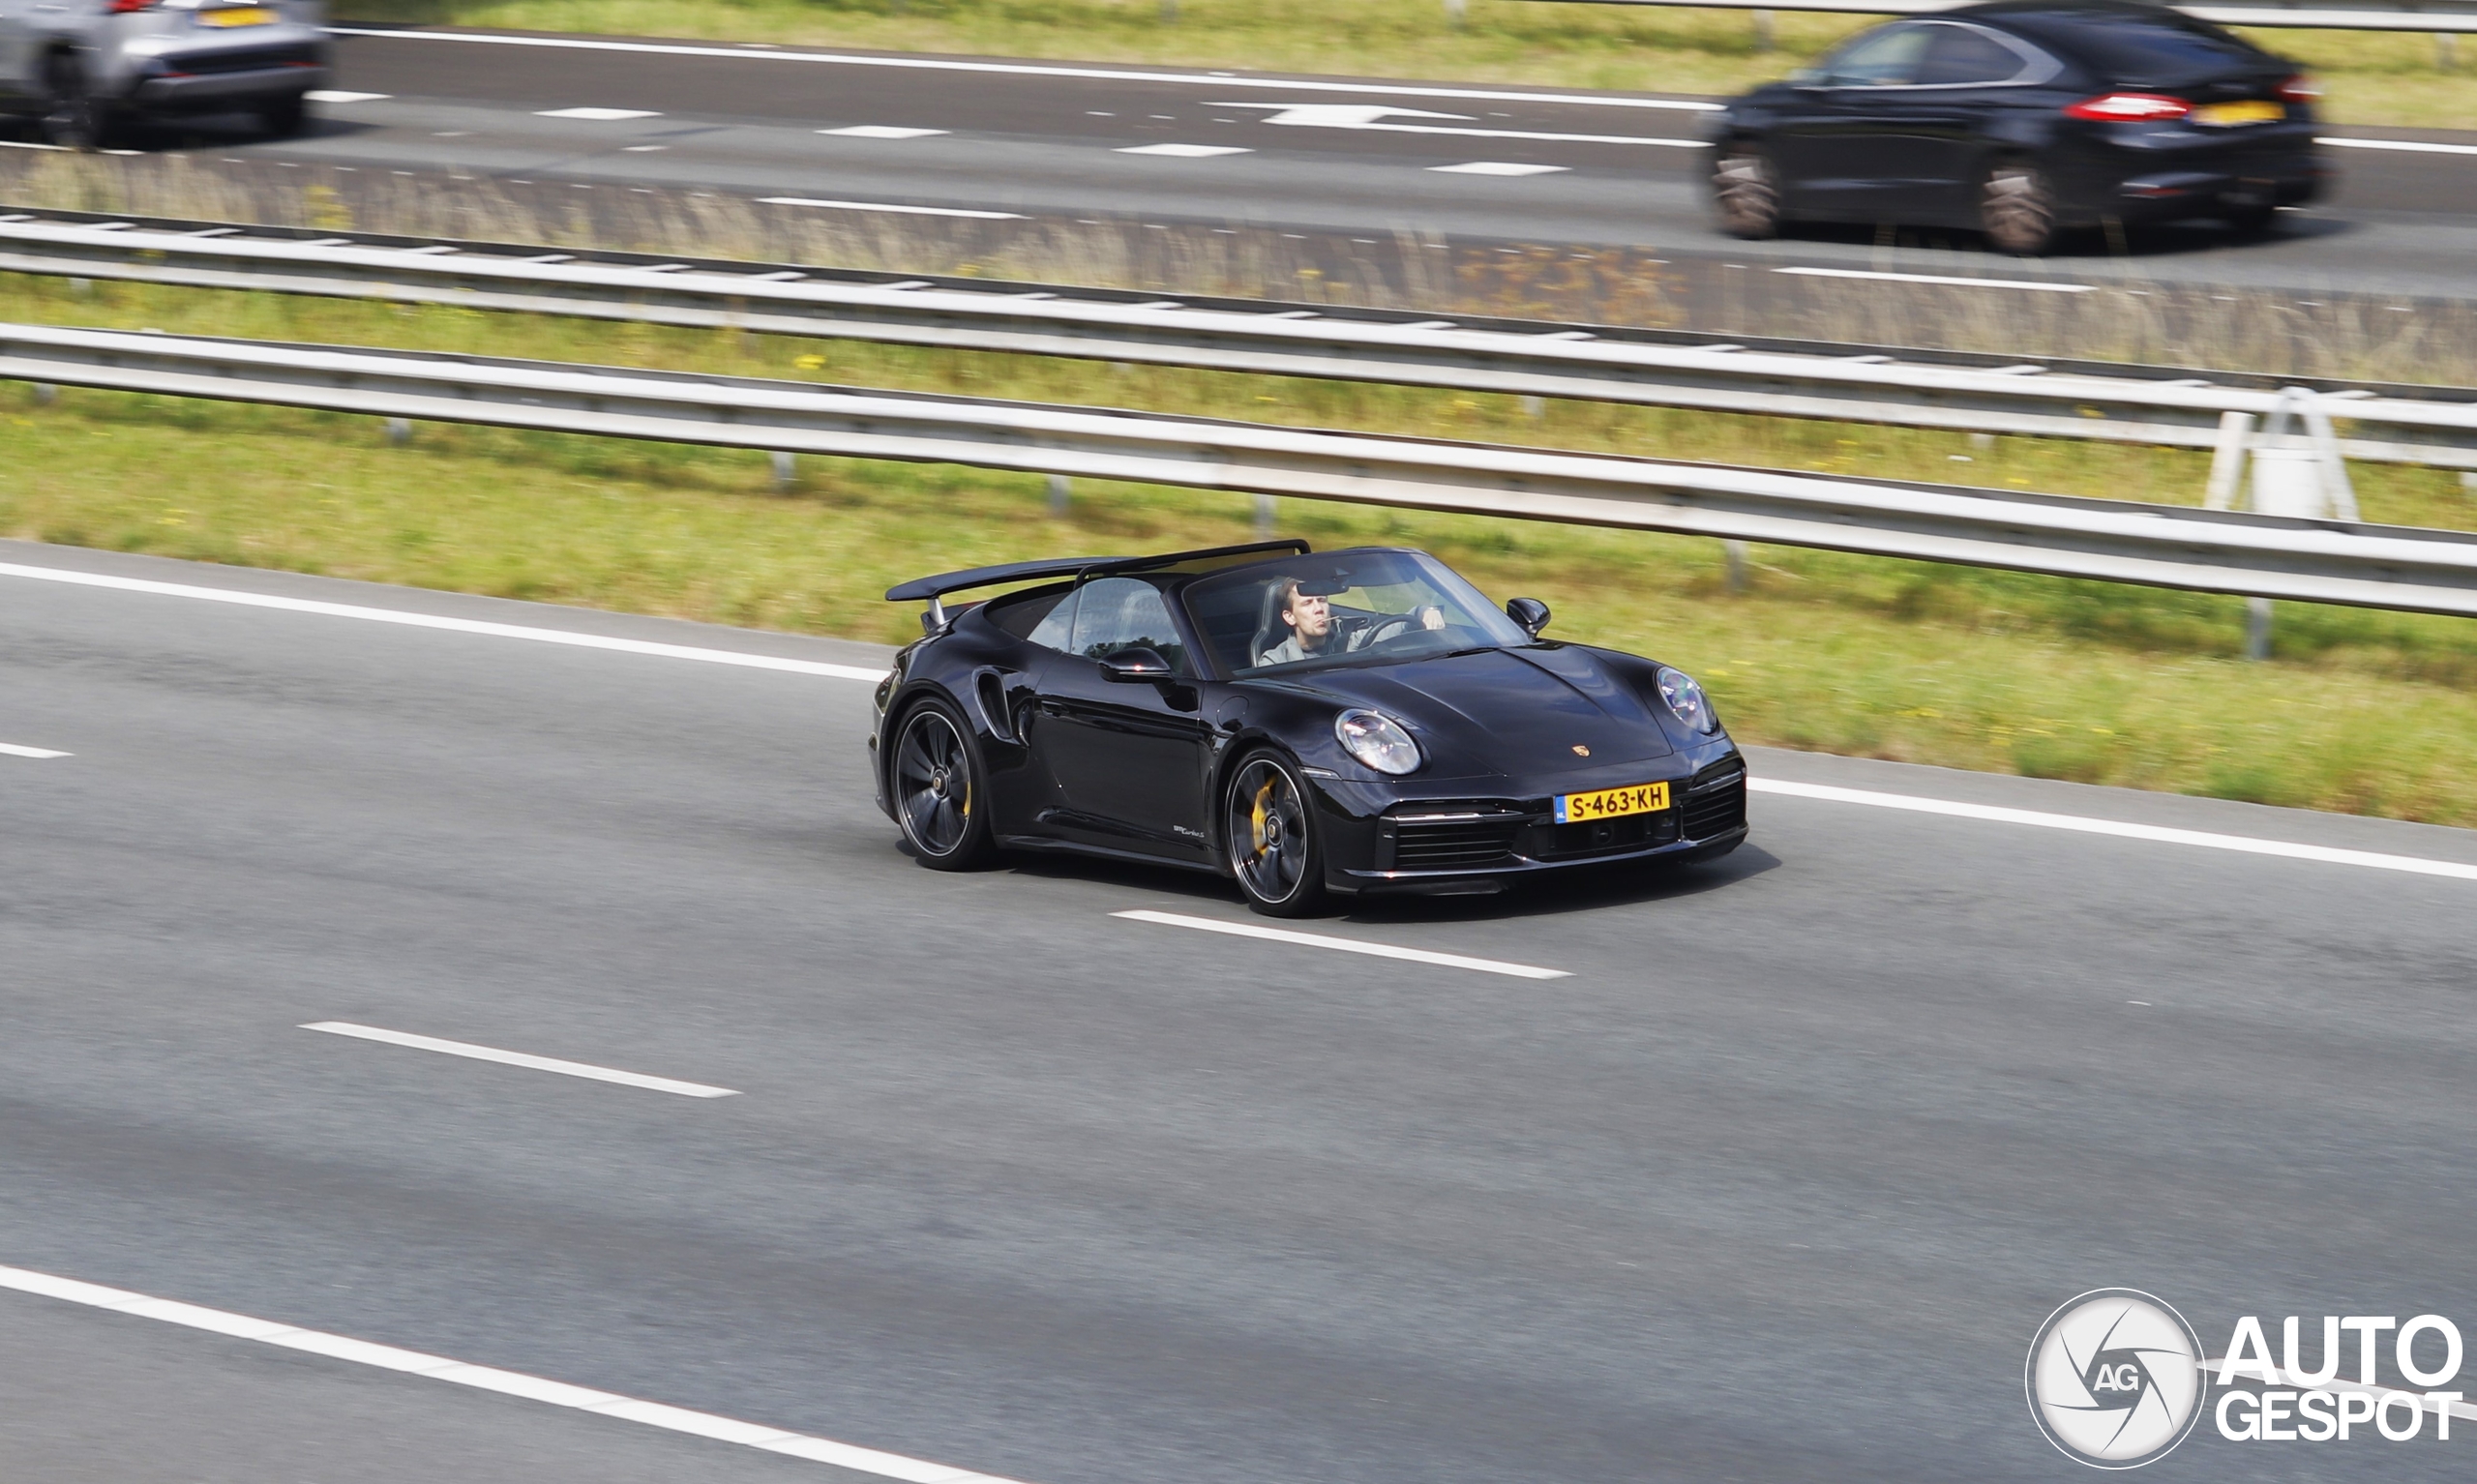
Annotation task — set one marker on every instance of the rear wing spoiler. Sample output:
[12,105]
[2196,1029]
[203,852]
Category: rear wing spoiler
[931,589]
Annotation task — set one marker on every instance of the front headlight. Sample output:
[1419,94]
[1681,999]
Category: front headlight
[1687,700]
[1378,741]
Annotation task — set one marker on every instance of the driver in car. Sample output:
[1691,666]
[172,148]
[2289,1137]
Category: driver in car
[1314,632]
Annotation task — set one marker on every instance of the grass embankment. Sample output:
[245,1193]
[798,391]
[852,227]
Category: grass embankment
[2360,711]
[2393,79]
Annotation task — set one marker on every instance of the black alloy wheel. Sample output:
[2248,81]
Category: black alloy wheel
[1747,191]
[1269,828]
[2017,210]
[73,116]
[938,796]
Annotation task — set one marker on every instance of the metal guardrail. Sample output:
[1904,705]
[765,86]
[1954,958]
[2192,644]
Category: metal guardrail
[1843,383]
[2435,16]
[2161,545]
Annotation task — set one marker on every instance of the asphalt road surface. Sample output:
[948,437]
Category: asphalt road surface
[871,131]
[1776,1183]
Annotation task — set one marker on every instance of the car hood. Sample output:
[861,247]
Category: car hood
[1515,711]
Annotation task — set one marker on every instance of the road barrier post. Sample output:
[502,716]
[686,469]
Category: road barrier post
[1736,553]
[1265,517]
[1060,491]
[398,431]
[786,469]
[1766,38]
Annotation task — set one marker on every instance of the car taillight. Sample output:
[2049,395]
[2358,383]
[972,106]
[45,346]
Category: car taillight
[125,7]
[2299,89]
[2130,108]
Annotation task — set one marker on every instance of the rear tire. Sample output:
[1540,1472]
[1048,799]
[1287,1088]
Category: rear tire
[2017,210]
[1746,190]
[2252,221]
[1269,833]
[284,117]
[941,791]
[73,116]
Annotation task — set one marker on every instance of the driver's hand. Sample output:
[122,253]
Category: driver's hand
[1431,617]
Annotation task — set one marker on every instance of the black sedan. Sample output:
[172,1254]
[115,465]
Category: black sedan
[2023,119]
[1306,722]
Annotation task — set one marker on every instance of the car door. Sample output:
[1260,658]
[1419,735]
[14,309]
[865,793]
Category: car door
[1127,757]
[1942,120]
[1835,149]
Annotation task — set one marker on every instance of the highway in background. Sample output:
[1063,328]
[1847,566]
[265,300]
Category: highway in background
[1776,1182]
[1047,139]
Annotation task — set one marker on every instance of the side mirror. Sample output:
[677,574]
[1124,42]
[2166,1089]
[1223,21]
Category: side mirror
[1136,664]
[1530,612]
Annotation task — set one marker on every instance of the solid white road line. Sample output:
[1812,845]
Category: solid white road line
[882,131]
[2413,146]
[515,1383]
[13,750]
[522,1060]
[434,621]
[334,96]
[596,115]
[2160,834]
[1930,278]
[1183,151]
[1496,167]
[1344,944]
[1030,69]
[908,211]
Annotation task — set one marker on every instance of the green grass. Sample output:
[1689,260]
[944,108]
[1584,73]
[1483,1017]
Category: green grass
[2359,711]
[2396,79]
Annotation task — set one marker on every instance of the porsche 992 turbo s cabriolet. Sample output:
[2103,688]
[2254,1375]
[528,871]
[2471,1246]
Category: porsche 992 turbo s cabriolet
[1309,723]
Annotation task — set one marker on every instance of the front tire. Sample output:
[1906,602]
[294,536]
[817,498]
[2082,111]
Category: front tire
[2017,209]
[1269,833]
[73,117]
[1747,191]
[940,791]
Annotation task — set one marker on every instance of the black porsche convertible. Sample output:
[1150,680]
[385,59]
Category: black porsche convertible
[1307,722]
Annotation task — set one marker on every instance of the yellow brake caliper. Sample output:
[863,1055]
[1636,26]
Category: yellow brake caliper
[1264,800]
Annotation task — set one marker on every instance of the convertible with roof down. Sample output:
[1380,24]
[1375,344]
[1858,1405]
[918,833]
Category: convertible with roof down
[1310,723]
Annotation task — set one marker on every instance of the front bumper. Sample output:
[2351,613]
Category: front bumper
[1453,845]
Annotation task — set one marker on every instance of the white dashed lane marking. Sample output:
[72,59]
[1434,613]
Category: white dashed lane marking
[907,211]
[1343,944]
[13,750]
[525,1059]
[334,96]
[1185,151]
[882,131]
[598,115]
[2034,285]
[1497,168]
[514,1383]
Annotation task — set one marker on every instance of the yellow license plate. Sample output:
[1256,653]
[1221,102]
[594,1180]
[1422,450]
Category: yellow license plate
[1610,803]
[2227,115]
[238,15]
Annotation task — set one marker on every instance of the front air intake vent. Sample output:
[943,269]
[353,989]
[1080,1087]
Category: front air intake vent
[1450,839]
[1716,800]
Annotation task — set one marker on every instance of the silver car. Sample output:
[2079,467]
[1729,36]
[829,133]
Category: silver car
[85,67]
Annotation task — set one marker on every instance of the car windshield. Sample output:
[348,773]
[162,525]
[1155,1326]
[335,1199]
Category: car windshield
[1344,608]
